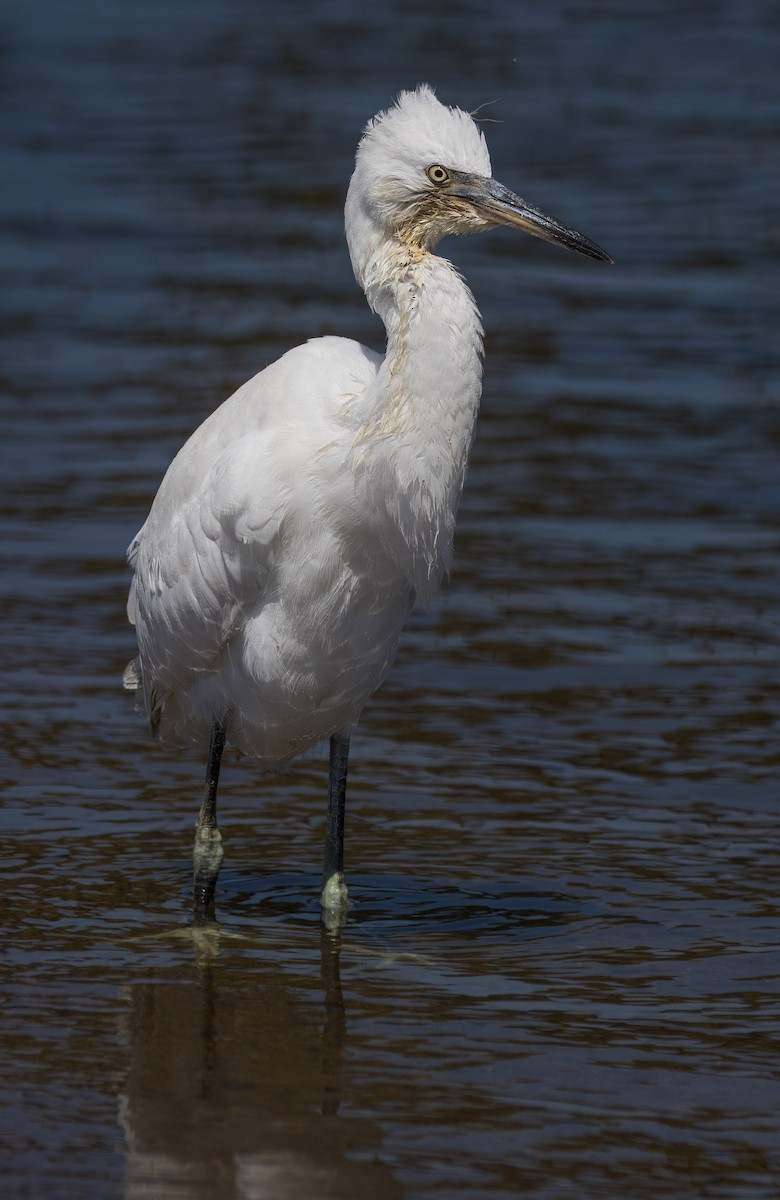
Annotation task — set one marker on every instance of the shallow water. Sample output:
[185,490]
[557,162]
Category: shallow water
[560,976]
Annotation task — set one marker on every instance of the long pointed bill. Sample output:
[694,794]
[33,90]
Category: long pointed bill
[498,205]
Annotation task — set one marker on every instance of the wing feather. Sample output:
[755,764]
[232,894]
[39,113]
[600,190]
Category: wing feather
[203,559]
[198,576]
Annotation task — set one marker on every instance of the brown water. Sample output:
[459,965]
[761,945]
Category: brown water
[561,974]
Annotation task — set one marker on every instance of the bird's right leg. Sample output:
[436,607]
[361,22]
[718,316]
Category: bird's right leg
[207,852]
[333,897]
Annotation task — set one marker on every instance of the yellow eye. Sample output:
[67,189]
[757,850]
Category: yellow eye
[438,175]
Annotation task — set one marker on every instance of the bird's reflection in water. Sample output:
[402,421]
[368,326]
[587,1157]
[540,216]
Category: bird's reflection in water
[235,1085]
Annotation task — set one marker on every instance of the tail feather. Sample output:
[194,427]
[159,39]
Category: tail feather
[131,677]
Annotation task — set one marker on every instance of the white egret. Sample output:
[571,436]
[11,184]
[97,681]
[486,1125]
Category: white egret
[299,525]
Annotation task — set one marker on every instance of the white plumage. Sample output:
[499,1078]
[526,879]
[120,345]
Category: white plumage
[295,530]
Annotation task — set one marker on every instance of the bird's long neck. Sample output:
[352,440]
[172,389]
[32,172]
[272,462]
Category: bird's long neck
[419,417]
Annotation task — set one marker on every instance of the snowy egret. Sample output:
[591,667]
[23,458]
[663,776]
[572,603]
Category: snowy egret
[299,525]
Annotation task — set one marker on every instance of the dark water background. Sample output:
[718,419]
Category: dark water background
[561,974]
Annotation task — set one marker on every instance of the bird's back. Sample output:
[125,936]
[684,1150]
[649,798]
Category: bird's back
[300,398]
[256,578]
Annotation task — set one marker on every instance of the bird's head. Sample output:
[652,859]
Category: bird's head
[423,171]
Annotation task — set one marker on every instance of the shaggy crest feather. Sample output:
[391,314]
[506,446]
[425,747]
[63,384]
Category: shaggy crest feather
[419,128]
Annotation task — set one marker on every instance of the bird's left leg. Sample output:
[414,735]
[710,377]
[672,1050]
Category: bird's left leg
[333,896]
[207,852]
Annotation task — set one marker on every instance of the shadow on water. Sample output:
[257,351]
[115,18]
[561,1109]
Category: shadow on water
[236,1083]
[243,1079]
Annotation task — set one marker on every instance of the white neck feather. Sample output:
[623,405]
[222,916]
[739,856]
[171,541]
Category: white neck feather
[417,420]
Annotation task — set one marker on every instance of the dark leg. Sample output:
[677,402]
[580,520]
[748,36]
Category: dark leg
[207,852]
[334,889]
